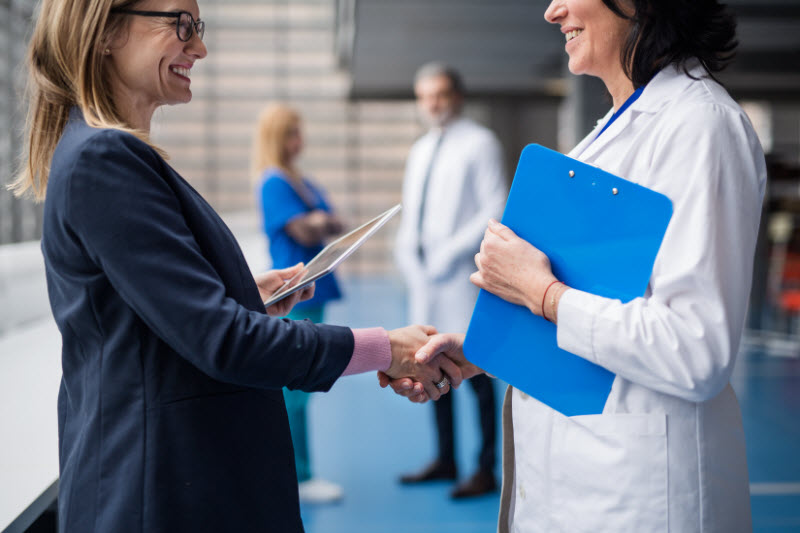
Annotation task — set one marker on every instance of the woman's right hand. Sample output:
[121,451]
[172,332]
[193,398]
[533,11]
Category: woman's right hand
[444,347]
[515,270]
[406,343]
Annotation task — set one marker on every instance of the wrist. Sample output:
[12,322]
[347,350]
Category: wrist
[542,302]
[371,351]
[555,298]
[533,295]
[395,362]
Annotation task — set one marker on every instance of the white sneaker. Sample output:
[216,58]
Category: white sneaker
[320,491]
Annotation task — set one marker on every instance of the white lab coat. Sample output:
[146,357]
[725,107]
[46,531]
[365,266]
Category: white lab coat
[466,188]
[668,452]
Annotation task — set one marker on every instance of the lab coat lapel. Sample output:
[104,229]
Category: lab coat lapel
[595,143]
[665,86]
[584,144]
[418,174]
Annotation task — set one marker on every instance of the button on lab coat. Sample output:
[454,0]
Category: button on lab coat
[668,452]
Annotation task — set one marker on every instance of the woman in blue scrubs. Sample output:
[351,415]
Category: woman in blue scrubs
[297,220]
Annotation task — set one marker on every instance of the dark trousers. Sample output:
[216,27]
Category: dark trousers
[484,390]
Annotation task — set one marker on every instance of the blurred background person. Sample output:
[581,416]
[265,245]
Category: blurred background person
[297,218]
[454,183]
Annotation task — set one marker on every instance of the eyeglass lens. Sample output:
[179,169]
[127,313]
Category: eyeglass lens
[186,24]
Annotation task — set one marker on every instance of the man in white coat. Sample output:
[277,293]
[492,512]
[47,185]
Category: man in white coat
[454,182]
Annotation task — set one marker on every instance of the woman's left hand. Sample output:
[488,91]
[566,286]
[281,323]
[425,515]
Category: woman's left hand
[272,280]
[512,268]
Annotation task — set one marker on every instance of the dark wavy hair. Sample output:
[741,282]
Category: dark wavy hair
[665,32]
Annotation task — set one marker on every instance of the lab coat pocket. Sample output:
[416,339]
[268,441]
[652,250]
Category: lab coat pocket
[609,473]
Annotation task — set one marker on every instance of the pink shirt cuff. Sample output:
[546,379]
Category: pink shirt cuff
[372,351]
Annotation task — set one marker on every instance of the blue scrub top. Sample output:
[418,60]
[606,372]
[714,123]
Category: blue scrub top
[280,203]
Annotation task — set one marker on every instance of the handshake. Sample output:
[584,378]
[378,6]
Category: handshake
[425,364]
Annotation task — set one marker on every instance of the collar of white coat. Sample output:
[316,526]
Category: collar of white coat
[454,123]
[667,85]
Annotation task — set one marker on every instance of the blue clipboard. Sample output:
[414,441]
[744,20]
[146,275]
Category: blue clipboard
[602,234]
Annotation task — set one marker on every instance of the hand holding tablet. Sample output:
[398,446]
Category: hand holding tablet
[332,256]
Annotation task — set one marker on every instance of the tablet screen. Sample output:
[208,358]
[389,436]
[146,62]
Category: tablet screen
[331,256]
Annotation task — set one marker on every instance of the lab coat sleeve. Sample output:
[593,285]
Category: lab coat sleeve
[490,189]
[132,227]
[682,339]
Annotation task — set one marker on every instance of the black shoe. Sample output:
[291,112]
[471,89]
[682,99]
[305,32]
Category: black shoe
[482,482]
[435,471]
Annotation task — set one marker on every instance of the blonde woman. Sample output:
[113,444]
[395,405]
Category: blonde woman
[297,219]
[171,416]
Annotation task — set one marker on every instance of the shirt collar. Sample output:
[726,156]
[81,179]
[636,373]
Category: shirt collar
[75,114]
[666,86]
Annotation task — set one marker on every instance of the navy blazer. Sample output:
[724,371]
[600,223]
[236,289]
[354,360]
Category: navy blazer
[171,416]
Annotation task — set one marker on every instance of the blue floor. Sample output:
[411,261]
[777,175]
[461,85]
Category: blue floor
[363,437]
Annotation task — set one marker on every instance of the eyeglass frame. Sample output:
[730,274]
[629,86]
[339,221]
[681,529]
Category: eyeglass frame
[195,26]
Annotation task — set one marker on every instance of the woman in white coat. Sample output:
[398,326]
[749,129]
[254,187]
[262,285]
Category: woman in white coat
[668,451]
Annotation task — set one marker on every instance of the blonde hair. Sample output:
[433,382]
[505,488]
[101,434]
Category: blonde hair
[269,141]
[66,68]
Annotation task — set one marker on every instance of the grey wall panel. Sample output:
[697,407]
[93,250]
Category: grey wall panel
[500,46]
[506,46]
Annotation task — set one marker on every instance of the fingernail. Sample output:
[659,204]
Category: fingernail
[422,357]
[492,222]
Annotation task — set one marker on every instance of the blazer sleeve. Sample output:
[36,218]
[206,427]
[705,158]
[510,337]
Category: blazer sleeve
[131,225]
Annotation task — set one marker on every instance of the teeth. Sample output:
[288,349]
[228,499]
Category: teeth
[182,71]
[572,34]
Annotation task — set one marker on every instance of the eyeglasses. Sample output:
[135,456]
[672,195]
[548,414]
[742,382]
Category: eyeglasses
[185,24]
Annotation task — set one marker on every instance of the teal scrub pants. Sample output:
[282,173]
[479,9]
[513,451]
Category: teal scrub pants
[296,402]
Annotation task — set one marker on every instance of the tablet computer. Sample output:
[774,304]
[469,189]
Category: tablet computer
[332,256]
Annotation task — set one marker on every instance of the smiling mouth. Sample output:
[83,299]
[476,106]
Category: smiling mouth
[572,34]
[181,71]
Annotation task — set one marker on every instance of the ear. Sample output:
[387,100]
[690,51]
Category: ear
[116,34]
[107,46]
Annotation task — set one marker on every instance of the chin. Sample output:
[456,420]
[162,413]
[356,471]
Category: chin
[575,67]
[182,99]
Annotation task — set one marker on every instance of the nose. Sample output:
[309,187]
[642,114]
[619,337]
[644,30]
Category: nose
[555,11]
[196,47]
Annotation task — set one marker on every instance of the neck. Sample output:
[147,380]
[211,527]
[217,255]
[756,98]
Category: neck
[140,118]
[292,173]
[446,122]
[138,115]
[620,87]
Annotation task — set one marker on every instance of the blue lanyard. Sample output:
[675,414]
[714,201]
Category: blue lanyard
[631,99]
